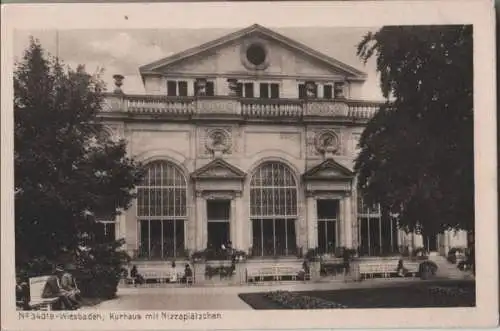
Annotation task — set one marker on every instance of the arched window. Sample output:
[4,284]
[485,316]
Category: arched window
[161,211]
[376,235]
[273,210]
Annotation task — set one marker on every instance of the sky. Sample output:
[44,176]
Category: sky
[124,51]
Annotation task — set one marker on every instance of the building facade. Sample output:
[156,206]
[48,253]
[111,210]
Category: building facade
[249,139]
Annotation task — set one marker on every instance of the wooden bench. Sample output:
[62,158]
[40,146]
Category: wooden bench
[37,285]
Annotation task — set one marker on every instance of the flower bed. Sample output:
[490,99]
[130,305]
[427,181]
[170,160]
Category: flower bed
[291,300]
[448,291]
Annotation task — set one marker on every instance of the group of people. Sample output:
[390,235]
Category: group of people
[61,284]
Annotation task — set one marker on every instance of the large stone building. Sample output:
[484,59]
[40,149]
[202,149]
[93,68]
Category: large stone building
[249,138]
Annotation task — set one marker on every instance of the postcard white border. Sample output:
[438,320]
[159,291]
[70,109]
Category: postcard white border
[291,14]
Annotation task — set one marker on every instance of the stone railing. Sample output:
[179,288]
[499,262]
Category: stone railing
[271,108]
[250,108]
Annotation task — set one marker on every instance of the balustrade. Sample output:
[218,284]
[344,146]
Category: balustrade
[295,108]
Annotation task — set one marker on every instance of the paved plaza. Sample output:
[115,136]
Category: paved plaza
[219,297]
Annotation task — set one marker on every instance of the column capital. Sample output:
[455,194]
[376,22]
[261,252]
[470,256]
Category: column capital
[199,193]
[237,194]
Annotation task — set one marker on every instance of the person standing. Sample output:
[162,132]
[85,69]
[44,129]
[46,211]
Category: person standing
[346,257]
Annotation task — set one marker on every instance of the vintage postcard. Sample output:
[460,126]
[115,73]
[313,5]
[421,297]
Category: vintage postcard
[249,165]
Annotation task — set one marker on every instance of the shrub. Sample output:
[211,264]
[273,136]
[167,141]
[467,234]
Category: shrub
[455,254]
[210,254]
[420,252]
[427,269]
[312,254]
[99,269]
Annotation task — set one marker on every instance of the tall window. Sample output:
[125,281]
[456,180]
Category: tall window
[273,210]
[245,90]
[209,89]
[303,91]
[177,88]
[327,91]
[377,236]
[269,90]
[161,211]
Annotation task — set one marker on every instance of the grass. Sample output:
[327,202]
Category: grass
[416,295]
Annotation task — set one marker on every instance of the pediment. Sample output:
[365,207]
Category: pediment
[218,169]
[328,169]
[225,53]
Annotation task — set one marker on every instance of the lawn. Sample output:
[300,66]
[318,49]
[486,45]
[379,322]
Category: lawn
[416,295]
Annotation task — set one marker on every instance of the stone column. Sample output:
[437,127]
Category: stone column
[233,226]
[341,220]
[201,224]
[190,88]
[240,230]
[320,91]
[347,222]
[312,229]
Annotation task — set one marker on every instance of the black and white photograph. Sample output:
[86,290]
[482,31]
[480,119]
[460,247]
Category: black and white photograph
[200,173]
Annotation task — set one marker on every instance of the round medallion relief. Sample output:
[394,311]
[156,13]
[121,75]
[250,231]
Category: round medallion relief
[327,141]
[218,140]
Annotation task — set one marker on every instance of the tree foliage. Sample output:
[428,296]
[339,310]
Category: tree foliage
[67,170]
[416,156]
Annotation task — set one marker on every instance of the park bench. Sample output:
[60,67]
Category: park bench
[37,285]
[386,269]
[274,273]
[158,277]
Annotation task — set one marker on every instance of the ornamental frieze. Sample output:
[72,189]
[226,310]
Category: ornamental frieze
[327,109]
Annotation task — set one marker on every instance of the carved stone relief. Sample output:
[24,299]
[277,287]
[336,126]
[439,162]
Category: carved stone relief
[215,140]
[322,140]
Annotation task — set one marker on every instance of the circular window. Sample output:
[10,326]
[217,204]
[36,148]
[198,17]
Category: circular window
[256,54]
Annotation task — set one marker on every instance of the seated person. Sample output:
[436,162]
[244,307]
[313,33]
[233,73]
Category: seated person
[401,269]
[68,285]
[136,276]
[22,294]
[53,289]
[188,274]
[305,272]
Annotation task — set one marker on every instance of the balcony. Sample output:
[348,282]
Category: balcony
[199,107]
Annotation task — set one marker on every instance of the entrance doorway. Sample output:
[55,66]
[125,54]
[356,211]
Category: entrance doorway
[431,243]
[218,227]
[328,225]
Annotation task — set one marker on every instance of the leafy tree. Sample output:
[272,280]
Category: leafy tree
[416,156]
[67,171]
